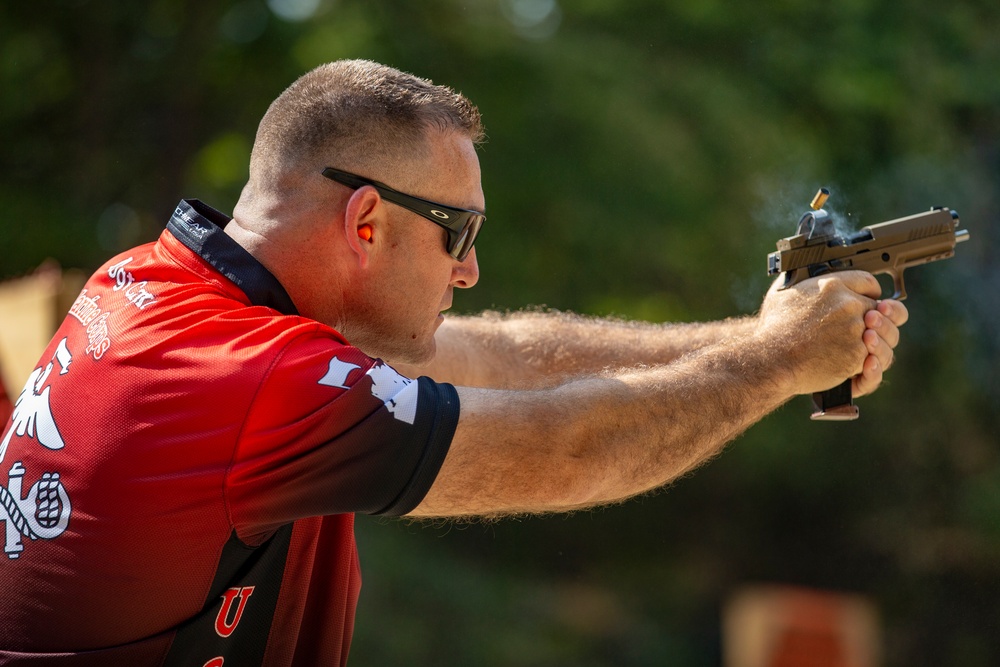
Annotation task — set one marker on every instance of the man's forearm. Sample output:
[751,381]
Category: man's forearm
[603,438]
[544,349]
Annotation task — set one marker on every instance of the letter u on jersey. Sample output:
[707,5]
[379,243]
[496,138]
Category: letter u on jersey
[223,625]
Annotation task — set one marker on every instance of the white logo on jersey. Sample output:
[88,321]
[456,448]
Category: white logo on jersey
[32,412]
[63,357]
[135,293]
[118,273]
[42,514]
[85,309]
[336,374]
[189,218]
[99,337]
[88,313]
[397,392]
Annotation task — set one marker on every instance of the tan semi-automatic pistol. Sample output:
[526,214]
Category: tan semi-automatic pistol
[887,247]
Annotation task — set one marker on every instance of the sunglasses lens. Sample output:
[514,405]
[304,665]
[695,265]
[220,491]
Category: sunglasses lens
[462,244]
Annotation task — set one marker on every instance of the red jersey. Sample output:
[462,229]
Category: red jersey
[179,475]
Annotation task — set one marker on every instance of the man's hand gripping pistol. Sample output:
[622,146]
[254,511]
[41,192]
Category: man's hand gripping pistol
[888,247]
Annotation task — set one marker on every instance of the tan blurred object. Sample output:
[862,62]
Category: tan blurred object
[785,626]
[31,309]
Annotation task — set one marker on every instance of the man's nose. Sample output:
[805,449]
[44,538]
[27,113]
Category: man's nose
[465,274]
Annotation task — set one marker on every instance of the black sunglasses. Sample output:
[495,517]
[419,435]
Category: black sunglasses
[462,224]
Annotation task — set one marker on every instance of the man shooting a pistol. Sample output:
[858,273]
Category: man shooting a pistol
[231,395]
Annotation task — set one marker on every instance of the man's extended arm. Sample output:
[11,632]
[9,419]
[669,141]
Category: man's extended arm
[535,349]
[600,438]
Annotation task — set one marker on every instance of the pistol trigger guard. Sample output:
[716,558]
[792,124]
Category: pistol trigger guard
[897,283]
[794,277]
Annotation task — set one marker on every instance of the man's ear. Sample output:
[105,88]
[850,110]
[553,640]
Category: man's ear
[362,223]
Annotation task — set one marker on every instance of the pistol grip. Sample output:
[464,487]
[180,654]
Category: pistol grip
[835,404]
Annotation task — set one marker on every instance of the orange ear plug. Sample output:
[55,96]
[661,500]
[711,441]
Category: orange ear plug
[365,232]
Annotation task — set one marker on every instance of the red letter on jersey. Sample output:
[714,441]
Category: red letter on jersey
[222,624]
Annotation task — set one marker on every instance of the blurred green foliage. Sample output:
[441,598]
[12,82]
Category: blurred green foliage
[643,157]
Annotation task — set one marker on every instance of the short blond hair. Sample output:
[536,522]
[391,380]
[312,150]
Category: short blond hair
[356,112]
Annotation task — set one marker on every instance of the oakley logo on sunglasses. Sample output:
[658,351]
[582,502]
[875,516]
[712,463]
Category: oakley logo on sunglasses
[440,214]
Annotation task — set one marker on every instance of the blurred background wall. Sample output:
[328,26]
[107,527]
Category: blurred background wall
[643,157]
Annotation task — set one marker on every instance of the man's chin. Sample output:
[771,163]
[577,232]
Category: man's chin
[424,355]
